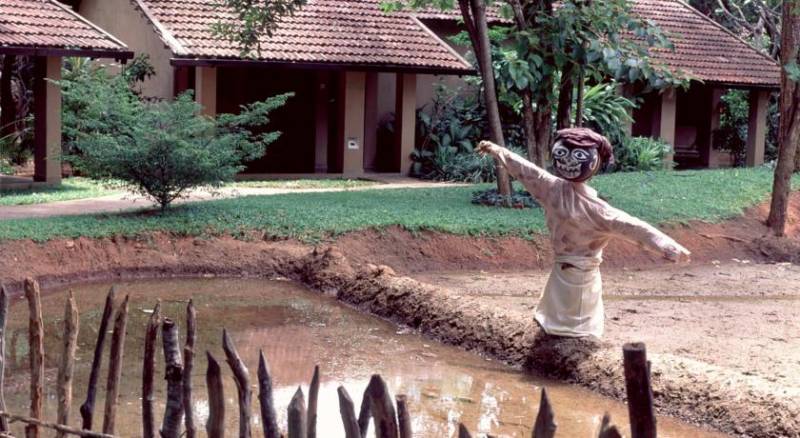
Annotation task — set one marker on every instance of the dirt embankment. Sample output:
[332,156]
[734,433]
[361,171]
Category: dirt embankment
[690,389]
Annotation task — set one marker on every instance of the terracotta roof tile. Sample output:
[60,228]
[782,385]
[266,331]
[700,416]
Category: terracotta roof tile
[706,50]
[46,24]
[349,32]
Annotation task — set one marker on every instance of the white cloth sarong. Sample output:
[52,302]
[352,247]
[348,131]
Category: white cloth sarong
[572,302]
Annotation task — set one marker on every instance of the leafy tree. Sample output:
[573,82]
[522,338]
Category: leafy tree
[790,116]
[158,150]
[255,19]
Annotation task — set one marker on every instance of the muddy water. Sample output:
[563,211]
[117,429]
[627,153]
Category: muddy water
[297,328]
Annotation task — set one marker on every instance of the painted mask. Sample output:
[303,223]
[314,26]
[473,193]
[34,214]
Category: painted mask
[575,163]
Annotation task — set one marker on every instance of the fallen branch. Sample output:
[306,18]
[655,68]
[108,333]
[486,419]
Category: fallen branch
[722,236]
[58,427]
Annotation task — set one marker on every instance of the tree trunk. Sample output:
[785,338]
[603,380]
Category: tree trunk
[790,121]
[579,99]
[479,35]
[8,108]
[565,89]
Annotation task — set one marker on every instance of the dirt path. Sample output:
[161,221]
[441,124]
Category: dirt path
[738,315]
[128,201]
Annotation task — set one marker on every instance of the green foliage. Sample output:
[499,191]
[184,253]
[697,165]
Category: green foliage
[492,198]
[256,18]
[641,154]
[657,197]
[731,136]
[447,134]
[165,149]
[607,112]
[15,147]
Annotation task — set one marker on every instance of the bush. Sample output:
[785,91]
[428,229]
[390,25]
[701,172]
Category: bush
[731,136]
[607,112]
[162,150]
[641,153]
[493,198]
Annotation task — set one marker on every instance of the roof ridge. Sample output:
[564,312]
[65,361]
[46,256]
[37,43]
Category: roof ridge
[433,35]
[726,30]
[166,36]
[88,23]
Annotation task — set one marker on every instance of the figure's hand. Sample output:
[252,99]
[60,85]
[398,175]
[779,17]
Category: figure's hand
[487,148]
[677,253]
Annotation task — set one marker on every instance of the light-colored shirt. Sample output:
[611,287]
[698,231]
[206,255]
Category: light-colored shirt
[580,223]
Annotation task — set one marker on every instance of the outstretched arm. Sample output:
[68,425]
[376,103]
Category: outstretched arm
[537,180]
[638,231]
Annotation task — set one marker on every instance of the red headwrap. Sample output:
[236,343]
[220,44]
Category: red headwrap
[586,138]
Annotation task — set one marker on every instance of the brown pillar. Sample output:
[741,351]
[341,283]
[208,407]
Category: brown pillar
[205,89]
[371,122]
[757,127]
[716,98]
[321,115]
[667,125]
[47,120]
[352,140]
[405,119]
[627,92]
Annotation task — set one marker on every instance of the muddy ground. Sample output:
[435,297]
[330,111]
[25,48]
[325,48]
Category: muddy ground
[723,332]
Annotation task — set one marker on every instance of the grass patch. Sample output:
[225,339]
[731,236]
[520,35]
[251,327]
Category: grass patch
[335,183]
[658,197]
[70,189]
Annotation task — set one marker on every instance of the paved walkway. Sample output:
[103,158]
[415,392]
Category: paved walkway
[123,202]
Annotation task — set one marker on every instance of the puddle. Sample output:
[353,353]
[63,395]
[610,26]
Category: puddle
[297,328]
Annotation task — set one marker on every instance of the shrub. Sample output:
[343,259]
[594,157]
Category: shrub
[162,150]
[641,153]
[607,112]
[731,136]
[493,198]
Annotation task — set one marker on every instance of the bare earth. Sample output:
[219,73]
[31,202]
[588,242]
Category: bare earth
[731,314]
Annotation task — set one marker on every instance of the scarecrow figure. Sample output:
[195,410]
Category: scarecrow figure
[581,225]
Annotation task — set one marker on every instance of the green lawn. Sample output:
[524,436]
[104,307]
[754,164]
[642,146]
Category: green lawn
[334,183]
[657,197]
[70,189]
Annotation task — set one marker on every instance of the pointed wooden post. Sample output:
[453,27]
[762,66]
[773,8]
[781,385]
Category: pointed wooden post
[268,415]
[640,394]
[87,408]
[173,413]
[364,413]
[463,432]
[382,408]
[242,378]
[148,373]
[607,430]
[313,396]
[36,341]
[115,368]
[188,364]
[66,368]
[3,316]
[348,412]
[215,426]
[403,417]
[297,416]
[545,426]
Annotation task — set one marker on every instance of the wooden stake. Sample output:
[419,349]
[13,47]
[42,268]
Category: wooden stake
[297,416]
[173,413]
[36,341]
[3,315]
[403,417]
[188,364]
[545,426]
[268,415]
[364,413]
[463,432]
[215,426]
[148,373]
[115,368]
[348,412]
[242,378]
[382,408]
[313,396]
[640,394]
[57,427]
[607,430]
[65,370]
[87,408]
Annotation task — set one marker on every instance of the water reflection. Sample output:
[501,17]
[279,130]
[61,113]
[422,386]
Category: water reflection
[296,329]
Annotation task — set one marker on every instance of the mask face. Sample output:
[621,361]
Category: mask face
[575,163]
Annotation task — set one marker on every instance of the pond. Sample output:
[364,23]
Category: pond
[297,328]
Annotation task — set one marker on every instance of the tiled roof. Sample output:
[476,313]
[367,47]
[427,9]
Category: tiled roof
[706,50]
[28,25]
[344,32]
